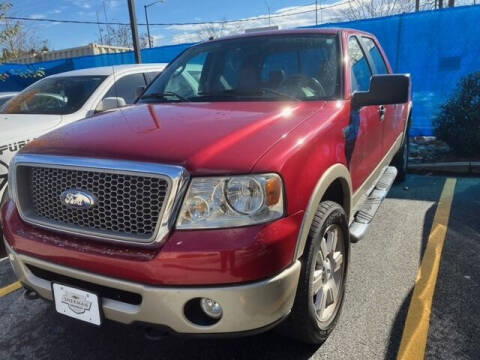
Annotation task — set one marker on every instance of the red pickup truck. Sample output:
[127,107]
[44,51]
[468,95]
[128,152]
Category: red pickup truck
[223,202]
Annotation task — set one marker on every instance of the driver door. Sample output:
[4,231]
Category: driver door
[364,135]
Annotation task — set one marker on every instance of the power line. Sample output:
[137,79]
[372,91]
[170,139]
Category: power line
[87,22]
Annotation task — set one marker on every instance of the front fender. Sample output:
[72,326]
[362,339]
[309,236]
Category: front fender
[335,172]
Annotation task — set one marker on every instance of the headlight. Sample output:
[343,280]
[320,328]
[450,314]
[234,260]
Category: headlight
[11,180]
[220,202]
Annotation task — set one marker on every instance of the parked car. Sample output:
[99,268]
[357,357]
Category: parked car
[5,96]
[61,99]
[224,205]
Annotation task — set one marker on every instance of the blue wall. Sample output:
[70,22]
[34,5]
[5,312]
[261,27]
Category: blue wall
[436,47]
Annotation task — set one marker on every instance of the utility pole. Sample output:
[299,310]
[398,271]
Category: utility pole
[268,9]
[146,19]
[440,4]
[417,5]
[134,27]
[451,3]
[316,12]
[99,30]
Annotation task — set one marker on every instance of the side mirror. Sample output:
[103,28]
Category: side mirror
[110,103]
[384,90]
[139,91]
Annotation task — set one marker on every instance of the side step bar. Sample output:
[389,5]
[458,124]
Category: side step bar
[363,217]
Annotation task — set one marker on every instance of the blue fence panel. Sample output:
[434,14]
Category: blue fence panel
[436,47]
[17,82]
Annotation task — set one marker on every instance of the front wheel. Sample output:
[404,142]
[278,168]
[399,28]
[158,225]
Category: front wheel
[321,286]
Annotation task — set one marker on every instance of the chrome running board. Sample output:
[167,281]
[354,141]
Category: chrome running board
[364,216]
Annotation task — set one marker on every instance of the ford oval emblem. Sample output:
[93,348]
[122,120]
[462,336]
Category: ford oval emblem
[78,199]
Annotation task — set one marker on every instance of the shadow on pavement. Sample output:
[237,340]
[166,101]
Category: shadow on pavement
[455,317]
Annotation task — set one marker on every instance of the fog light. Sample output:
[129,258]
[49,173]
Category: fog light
[211,308]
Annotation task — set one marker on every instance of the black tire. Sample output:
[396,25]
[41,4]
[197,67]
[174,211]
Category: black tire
[400,161]
[303,323]
[3,251]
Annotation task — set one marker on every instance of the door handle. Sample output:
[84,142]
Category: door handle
[381,111]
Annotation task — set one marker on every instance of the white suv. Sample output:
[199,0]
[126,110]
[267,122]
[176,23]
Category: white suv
[63,98]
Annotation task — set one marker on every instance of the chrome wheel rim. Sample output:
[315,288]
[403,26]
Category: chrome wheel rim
[328,274]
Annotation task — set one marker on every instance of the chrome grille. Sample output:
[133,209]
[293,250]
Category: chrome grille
[126,204]
[135,202]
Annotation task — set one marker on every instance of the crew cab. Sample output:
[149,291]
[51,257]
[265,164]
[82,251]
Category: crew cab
[224,202]
[63,98]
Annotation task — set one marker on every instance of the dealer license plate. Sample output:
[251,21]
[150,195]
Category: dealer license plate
[76,303]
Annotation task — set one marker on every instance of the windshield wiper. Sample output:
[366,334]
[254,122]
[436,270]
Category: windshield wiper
[254,93]
[278,93]
[164,95]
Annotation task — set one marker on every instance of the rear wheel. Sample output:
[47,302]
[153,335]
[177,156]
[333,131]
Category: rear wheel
[321,286]
[400,161]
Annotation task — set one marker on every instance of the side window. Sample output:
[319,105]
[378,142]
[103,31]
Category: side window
[126,87]
[378,61]
[149,76]
[360,70]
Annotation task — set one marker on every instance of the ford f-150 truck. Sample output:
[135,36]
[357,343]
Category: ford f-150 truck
[224,202]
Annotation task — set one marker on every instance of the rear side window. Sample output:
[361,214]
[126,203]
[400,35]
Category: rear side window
[378,61]
[126,87]
[360,70]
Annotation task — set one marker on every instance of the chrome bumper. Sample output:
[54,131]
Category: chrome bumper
[245,307]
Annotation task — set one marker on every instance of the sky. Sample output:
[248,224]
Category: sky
[62,36]
[70,35]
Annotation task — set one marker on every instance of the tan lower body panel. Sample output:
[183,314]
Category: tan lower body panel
[245,307]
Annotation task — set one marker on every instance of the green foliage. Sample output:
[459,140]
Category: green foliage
[458,122]
[14,41]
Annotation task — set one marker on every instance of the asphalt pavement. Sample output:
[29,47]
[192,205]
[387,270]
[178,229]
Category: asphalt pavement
[383,269]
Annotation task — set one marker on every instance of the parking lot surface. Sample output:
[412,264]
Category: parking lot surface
[382,274]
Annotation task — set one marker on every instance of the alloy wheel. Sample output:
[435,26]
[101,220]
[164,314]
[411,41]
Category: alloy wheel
[328,275]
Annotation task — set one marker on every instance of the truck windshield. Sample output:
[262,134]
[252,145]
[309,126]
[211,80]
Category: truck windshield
[55,95]
[258,68]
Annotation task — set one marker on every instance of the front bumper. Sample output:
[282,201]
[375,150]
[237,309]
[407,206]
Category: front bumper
[245,307]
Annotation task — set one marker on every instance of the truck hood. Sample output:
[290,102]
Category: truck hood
[205,138]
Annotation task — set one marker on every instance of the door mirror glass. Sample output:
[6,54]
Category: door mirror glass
[110,103]
[384,90]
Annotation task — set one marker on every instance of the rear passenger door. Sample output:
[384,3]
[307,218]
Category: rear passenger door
[392,119]
[364,135]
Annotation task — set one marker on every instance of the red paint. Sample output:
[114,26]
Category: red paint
[298,140]
[203,257]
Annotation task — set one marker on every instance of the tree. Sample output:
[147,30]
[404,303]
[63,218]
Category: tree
[457,121]
[364,9]
[215,30]
[120,35]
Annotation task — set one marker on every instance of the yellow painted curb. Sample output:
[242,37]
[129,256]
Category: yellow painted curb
[10,288]
[415,333]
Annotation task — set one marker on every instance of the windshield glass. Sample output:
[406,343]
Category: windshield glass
[262,68]
[56,95]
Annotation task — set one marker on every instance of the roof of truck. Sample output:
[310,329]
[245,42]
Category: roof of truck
[109,70]
[326,30]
